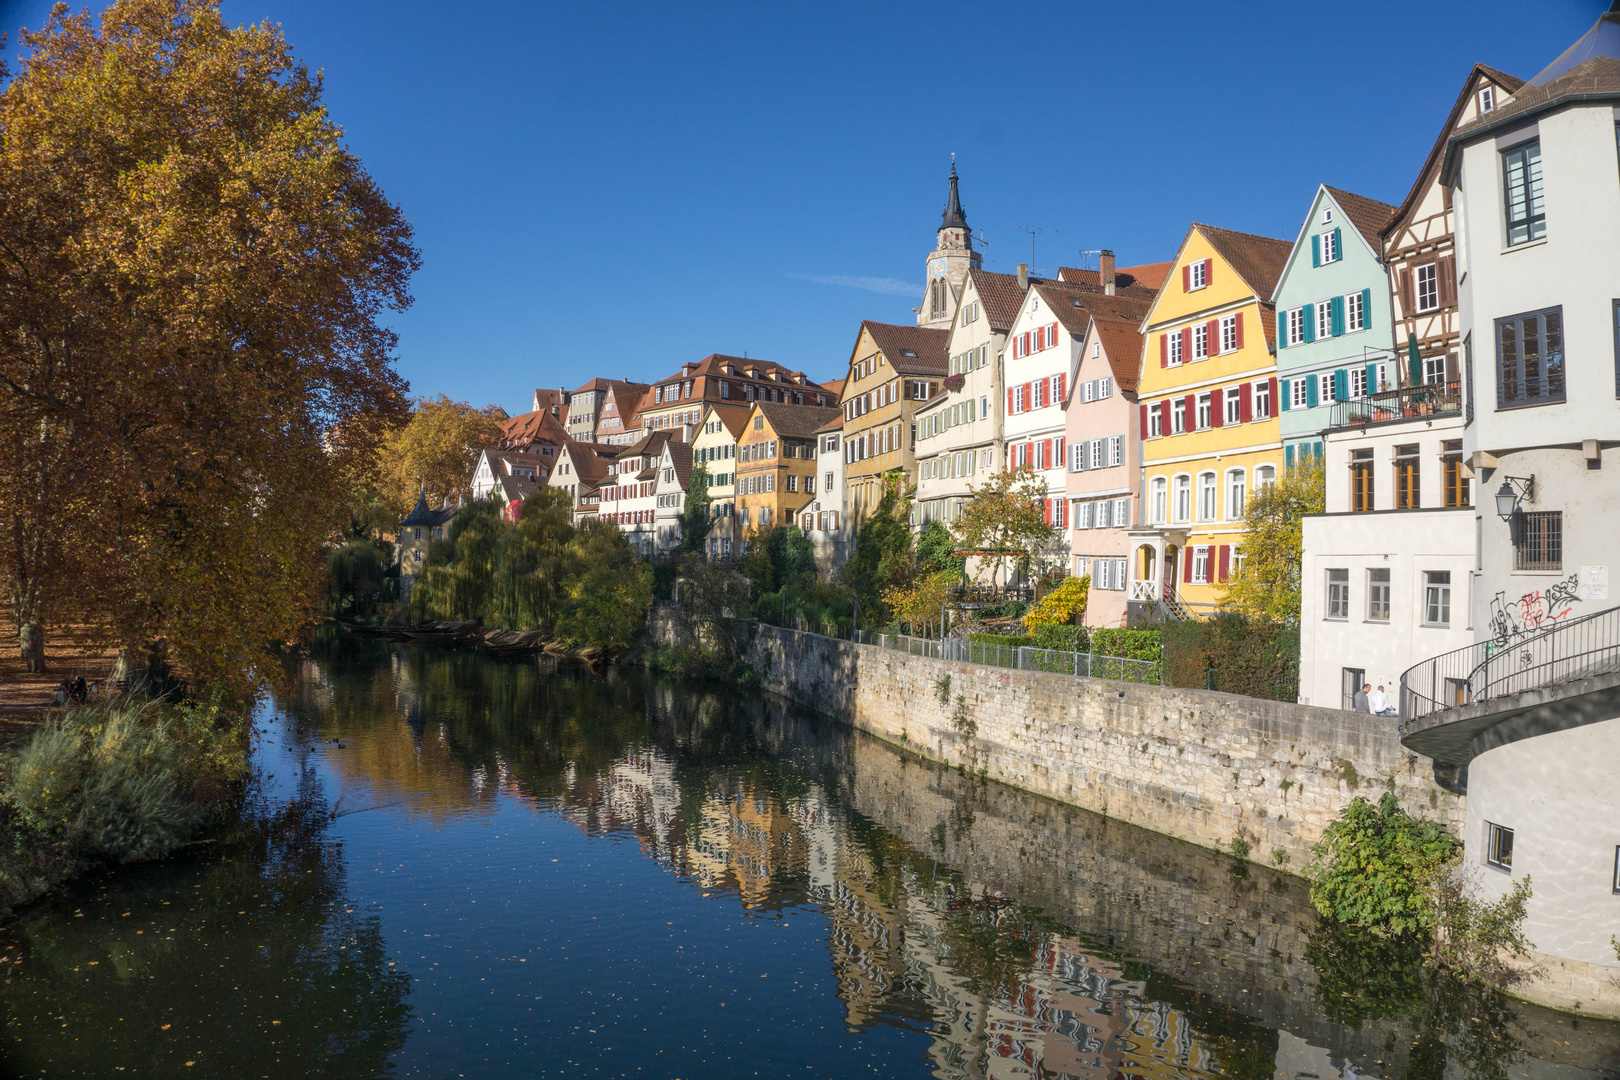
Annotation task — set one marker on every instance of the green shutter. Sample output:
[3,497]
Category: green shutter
[1316,250]
[1288,455]
[1282,385]
[1366,309]
[1341,385]
[1307,315]
[1372,378]
[1310,391]
[1338,244]
[1336,315]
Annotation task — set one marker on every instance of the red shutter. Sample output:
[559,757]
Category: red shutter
[1186,344]
[1144,422]
[1186,565]
[1164,350]
[1271,396]
[1063,385]
[1186,278]
[1238,330]
[1052,334]
[1226,562]
[1209,272]
[1009,401]
[1046,511]
[1212,337]
[1245,403]
[1029,396]
[1046,453]
[1216,414]
[1189,406]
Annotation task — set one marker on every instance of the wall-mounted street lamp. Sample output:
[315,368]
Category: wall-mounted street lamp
[1513,490]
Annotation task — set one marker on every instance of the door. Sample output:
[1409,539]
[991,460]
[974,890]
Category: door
[1352,680]
[1169,577]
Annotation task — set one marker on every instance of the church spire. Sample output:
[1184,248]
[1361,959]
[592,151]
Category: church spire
[954,218]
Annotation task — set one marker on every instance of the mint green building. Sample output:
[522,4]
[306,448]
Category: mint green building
[1335,339]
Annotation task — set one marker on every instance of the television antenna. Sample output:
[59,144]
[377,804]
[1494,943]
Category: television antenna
[1033,230]
[1085,261]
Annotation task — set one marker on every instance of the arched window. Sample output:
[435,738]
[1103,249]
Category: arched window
[1183,498]
[1235,492]
[1265,476]
[1160,507]
[1206,496]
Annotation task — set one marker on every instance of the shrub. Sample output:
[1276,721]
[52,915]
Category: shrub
[1127,644]
[1473,937]
[1375,867]
[1063,638]
[1001,639]
[1064,604]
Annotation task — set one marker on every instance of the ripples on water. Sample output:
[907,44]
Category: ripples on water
[451,866]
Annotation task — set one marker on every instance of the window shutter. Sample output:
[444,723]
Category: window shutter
[1336,316]
[1245,403]
[1338,245]
[1212,337]
[1216,413]
[1186,565]
[1186,344]
[1274,397]
[1186,278]
[1209,272]
[1225,562]
[1189,408]
[1288,456]
[1310,390]
[1237,329]
[1062,391]
[1009,401]
[1403,286]
[1447,273]
[1164,350]
[1307,316]
[1046,511]
[1366,309]
[1372,378]
[1029,396]
[1341,385]
[1285,399]
[1451,368]
[1316,250]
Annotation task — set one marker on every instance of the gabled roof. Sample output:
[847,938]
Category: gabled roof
[1075,305]
[604,384]
[732,414]
[1122,341]
[1258,260]
[1149,276]
[1589,70]
[680,457]
[835,424]
[715,363]
[1369,216]
[999,296]
[835,387]
[528,428]
[911,350]
[795,421]
[1431,163]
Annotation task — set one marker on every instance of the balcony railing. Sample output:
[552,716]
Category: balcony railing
[1408,403]
[1513,662]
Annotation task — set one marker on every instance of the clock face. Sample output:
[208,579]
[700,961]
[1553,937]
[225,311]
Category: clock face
[939,266]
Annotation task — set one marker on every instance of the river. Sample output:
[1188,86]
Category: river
[453,866]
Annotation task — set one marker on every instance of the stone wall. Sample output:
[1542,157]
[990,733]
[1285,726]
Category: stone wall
[1205,767]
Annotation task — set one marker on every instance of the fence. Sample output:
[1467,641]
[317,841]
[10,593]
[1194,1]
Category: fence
[1576,649]
[1083,665]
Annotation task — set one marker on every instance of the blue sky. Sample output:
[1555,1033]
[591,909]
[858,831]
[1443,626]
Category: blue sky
[613,189]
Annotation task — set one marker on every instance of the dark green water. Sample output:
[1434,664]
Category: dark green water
[451,866]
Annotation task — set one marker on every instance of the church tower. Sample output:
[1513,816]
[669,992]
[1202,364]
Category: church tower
[948,265]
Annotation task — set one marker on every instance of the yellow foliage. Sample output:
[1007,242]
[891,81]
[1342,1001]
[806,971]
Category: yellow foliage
[1061,605]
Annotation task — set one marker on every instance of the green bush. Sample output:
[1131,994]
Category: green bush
[1377,866]
[1001,639]
[1127,644]
[1250,657]
[1062,637]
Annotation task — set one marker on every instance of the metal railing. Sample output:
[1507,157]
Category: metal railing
[990,595]
[1407,403]
[1082,665]
[1514,661]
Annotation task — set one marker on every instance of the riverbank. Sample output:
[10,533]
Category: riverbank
[26,697]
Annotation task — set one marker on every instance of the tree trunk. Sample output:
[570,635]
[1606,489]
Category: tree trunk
[31,644]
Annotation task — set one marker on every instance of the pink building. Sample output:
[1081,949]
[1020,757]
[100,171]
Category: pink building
[1104,463]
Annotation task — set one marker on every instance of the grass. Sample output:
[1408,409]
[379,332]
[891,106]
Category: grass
[108,784]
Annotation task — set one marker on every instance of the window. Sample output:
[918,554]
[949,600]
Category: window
[1038,394]
[1355,313]
[1174,347]
[1296,326]
[1324,320]
[1096,349]
[1229,334]
[1232,401]
[1487,98]
[810,484]
[1265,476]
[1200,341]
[1204,416]
[1235,484]
[1330,246]
[1521,175]
[1408,495]
[1178,416]
[970,313]
[1325,391]
[1530,358]
[1539,543]
[1327,215]
[1262,400]
[1183,498]
[1122,513]
[793,482]
[1018,399]
[1456,482]
[1428,287]
[1498,846]
[1198,277]
[1155,420]
[1437,598]
[1160,491]
[1378,596]
[1338,594]
[1200,565]
[1361,480]
[1299,393]
[1206,496]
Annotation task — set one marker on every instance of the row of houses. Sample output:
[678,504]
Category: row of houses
[1415,350]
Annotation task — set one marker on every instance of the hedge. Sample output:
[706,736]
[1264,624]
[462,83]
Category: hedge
[1001,639]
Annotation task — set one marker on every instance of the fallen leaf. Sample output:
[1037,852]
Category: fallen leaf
[165,1027]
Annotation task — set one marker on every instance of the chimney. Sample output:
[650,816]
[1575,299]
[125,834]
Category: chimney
[1023,277]
[1105,267]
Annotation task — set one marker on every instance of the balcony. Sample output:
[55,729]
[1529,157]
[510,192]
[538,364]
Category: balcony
[1427,402]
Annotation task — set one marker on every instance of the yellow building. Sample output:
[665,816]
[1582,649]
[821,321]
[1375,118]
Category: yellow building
[893,371]
[715,448]
[1208,416]
[776,465]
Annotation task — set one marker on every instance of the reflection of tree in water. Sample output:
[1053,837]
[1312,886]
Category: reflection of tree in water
[252,949]
[1455,1028]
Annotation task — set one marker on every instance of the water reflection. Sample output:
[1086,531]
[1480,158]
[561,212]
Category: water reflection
[992,933]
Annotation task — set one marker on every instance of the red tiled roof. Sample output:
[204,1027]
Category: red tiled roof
[1149,277]
[911,350]
[1075,304]
[529,428]
[1258,260]
[835,424]
[1000,296]
[1122,341]
[797,421]
[1369,216]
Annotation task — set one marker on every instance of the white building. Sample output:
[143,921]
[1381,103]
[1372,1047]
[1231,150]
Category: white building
[674,470]
[715,448]
[825,517]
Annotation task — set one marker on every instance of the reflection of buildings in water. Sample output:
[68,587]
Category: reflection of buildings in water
[745,839]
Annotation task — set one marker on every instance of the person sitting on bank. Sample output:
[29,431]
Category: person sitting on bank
[1360,702]
[1379,703]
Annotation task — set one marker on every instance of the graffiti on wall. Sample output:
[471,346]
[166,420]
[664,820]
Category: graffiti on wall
[1535,611]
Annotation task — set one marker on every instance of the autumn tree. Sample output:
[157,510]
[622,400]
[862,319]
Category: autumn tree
[436,451]
[695,519]
[1266,584]
[1004,519]
[883,559]
[193,268]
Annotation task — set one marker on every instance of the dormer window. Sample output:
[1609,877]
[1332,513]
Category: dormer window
[1327,215]
[909,354]
[1075,300]
[1199,275]
[1487,98]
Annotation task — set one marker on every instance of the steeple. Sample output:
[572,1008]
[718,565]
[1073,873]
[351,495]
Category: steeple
[954,218]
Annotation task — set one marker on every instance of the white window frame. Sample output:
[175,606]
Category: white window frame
[1237,485]
[1197,275]
[1178,416]
[1299,393]
[1155,421]
[1209,502]
[1330,250]
[1160,489]
[1358,382]
[1200,341]
[1437,599]
[1355,314]
[1204,402]
[1232,406]
[1379,592]
[1175,348]
[1324,320]
[1200,566]
[1262,400]
[1228,333]
[1296,326]
[1426,287]
[1338,594]
[1183,505]
[1325,389]
[1264,476]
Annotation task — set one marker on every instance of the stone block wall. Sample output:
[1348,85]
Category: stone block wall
[1201,766]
